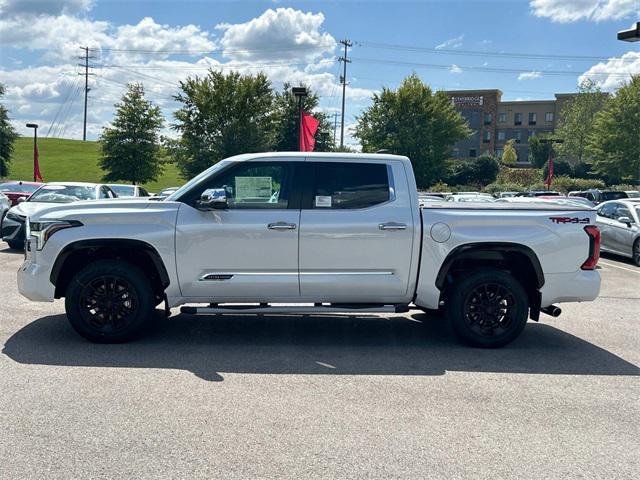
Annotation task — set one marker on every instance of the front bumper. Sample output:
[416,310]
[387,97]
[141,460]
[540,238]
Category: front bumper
[33,280]
[12,230]
[579,286]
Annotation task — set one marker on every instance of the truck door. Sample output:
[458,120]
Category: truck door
[356,232]
[249,251]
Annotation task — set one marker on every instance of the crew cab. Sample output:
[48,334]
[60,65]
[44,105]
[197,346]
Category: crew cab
[310,233]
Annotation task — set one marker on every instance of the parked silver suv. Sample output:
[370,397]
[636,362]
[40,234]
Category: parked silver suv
[619,222]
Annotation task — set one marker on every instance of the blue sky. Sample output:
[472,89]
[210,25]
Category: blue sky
[527,49]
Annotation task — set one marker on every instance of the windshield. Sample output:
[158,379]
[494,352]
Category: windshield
[63,194]
[124,190]
[195,180]
[16,187]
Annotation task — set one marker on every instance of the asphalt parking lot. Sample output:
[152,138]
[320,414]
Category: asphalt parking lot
[323,396]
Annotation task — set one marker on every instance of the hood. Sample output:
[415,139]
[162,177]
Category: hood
[27,209]
[101,211]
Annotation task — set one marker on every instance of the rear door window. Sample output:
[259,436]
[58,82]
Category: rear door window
[342,185]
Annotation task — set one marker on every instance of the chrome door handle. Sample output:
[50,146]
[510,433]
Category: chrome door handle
[392,226]
[281,226]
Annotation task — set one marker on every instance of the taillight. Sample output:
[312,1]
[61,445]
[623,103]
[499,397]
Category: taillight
[594,248]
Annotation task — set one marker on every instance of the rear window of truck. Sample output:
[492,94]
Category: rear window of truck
[341,185]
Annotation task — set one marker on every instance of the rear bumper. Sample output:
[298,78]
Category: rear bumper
[580,286]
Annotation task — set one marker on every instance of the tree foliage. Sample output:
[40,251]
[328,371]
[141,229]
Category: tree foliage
[130,147]
[509,154]
[222,115]
[577,121]
[8,136]
[287,121]
[539,151]
[474,171]
[614,143]
[415,122]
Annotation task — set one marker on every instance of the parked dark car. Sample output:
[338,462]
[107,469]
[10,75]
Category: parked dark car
[599,196]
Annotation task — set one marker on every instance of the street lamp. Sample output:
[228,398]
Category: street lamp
[299,92]
[35,148]
[631,35]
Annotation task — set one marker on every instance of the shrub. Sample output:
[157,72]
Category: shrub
[439,187]
[504,187]
[522,176]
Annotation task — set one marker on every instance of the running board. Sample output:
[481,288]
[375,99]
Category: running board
[296,310]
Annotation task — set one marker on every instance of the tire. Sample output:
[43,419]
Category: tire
[15,244]
[109,301]
[635,253]
[488,309]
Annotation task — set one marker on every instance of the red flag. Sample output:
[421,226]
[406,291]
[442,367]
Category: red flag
[37,176]
[549,174]
[309,128]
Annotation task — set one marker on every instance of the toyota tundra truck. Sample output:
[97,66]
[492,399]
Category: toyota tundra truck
[305,233]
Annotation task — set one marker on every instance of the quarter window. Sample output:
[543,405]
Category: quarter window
[345,185]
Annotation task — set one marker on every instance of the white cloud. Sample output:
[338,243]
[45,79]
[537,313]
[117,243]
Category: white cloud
[283,33]
[451,43]
[611,74]
[44,7]
[565,11]
[529,75]
[455,69]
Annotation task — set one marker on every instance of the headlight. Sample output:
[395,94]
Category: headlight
[43,230]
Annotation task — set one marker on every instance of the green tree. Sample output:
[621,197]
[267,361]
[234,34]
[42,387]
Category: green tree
[415,122]
[8,136]
[287,121]
[539,151]
[222,115]
[577,121]
[475,171]
[130,147]
[509,154]
[614,144]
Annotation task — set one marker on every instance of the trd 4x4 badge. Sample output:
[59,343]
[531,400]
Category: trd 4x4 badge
[568,220]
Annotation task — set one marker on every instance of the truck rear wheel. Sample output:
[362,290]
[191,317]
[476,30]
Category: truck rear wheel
[109,301]
[488,309]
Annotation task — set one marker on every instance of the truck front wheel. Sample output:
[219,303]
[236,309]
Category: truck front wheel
[109,301]
[488,309]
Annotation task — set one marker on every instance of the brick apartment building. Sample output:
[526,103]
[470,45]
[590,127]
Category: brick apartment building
[494,122]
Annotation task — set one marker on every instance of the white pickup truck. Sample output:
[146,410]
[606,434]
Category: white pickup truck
[309,233]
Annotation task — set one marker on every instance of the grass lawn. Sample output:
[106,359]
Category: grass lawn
[71,160]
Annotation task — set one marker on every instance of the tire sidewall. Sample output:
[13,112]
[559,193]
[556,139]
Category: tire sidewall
[138,281]
[463,289]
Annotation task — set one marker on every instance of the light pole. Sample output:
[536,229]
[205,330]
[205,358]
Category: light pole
[35,147]
[631,35]
[299,92]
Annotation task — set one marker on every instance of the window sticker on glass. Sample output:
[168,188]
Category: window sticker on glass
[253,188]
[323,201]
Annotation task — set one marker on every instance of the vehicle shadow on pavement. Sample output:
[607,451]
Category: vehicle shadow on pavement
[210,346]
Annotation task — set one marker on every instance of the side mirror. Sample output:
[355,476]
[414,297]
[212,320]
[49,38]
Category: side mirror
[21,199]
[213,199]
[626,220]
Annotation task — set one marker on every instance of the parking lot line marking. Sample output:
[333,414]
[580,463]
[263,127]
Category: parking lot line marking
[618,266]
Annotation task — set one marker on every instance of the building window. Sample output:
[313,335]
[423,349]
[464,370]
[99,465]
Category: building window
[472,153]
[517,119]
[499,152]
[548,117]
[501,135]
[488,118]
[533,118]
[532,133]
[456,152]
[502,118]
[518,136]
[486,137]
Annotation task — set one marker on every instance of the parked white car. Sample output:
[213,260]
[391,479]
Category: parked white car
[49,194]
[5,205]
[128,191]
[319,232]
